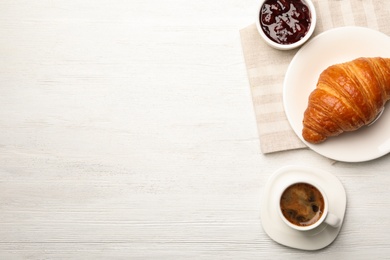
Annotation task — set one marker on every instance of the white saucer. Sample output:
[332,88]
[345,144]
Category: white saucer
[276,229]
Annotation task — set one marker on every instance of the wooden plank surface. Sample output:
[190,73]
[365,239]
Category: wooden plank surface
[127,132]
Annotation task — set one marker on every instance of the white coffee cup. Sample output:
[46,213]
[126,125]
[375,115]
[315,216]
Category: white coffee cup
[326,216]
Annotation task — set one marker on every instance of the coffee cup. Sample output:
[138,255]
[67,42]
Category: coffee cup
[303,206]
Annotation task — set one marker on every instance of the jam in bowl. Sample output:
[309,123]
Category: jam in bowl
[286,24]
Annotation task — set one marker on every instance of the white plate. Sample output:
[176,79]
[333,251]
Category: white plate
[331,47]
[274,226]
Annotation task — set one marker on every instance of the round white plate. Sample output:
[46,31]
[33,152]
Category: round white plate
[274,226]
[331,47]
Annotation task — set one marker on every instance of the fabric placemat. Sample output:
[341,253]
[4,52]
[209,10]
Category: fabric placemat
[266,66]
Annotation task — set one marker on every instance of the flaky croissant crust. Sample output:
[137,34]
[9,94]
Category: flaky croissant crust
[348,96]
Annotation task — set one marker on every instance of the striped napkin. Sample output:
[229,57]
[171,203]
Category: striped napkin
[266,66]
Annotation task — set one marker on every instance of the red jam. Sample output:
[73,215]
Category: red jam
[285,21]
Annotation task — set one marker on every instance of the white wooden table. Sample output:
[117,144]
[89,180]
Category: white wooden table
[127,132]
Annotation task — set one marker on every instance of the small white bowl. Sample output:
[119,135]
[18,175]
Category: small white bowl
[280,46]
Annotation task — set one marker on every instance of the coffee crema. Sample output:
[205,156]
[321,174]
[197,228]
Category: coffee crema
[302,204]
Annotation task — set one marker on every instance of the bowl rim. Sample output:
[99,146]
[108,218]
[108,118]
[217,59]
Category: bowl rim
[295,44]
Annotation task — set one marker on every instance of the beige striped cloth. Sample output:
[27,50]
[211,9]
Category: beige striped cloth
[266,66]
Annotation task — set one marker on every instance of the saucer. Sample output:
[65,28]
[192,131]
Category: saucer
[274,226]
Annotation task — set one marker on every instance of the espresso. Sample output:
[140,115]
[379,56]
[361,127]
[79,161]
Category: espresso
[302,204]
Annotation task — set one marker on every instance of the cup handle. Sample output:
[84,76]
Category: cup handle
[332,220]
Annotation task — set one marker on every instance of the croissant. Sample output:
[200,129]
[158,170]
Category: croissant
[348,96]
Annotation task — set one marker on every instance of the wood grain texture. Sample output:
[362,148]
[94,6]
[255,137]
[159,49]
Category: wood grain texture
[127,132]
